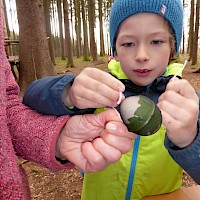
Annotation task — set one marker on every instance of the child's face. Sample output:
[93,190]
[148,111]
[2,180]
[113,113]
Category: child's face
[143,47]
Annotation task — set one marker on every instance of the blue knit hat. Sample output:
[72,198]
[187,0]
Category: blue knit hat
[171,10]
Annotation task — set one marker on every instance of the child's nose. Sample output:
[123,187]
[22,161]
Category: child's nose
[142,54]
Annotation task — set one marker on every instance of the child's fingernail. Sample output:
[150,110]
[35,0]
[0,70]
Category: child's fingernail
[120,98]
[121,88]
[111,127]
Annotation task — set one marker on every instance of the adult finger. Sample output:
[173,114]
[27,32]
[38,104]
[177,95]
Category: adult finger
[123,144]
[119,129]
[94,160]
[109,153]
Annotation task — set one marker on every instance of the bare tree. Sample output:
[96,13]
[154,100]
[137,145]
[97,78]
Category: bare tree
[71,10]
[5,17]
[183,45]
[191,30]
[6,31]
[60,24]
[35,61]
[77,27]
[46,4]
[91,18]
[196,34]
[85,33]
[107,7]
[102,48]
[68,47]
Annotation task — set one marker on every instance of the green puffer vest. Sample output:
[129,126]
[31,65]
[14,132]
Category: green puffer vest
[146,170]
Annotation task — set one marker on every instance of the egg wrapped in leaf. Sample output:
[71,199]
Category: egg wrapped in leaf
[141,115]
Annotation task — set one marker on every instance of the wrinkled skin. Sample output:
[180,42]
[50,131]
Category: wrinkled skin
[92,142]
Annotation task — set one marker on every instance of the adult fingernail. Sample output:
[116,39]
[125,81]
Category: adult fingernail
[111,127]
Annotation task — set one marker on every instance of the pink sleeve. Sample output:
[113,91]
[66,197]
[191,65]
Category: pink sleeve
[33,135]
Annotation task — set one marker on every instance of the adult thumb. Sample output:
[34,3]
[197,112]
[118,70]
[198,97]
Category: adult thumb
[108,115]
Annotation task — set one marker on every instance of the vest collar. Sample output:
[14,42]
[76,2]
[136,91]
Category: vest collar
[158,85]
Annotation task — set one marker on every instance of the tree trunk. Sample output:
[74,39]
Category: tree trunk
[6,30]
[91,18]
[102,48]
[59,7]
[35,61]
[49,35]
[70,8]
[196,34]
[191,30]
[79,27]
[70,62]
[183,45]
[5,18]
[108,6]
[85,33]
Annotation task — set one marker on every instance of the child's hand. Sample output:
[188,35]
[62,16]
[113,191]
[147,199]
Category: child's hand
[179,105]
[94,88]
[94,141]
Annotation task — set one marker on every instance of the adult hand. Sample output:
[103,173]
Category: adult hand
[94,88]
[94,141]
[179,105]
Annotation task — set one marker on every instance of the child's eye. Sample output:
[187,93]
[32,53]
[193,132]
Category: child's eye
[156,42]
[128,44]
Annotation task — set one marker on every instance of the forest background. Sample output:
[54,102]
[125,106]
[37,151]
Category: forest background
[68,29]
[57,37]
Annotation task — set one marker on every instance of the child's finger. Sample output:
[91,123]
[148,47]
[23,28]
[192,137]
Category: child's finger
[176,111]
[182,87]
[105,78]
[175,98]
[167,120]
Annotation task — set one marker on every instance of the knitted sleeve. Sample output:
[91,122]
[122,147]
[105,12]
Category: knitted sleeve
[33,135]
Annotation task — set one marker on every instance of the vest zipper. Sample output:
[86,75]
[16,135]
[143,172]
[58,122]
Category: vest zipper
[132,168]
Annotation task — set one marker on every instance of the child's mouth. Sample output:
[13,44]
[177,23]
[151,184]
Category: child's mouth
[142,72]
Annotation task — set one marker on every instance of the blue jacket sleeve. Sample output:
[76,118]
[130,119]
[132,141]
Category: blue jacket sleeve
[188,158]
[45,96]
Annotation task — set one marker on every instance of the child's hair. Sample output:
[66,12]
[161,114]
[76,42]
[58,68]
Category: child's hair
[172,44]
[171,10]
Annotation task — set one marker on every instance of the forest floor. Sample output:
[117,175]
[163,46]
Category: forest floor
[66,185]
